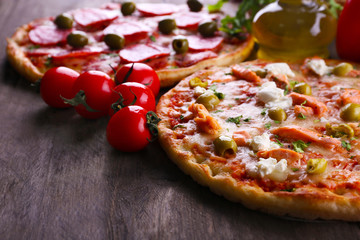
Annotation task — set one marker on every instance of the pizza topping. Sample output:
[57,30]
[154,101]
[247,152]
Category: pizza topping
[142,52]
[207,28]
[271,168]
[77,39]
[241,137]
[300,99]
[64,21]
[342,69]
[350,96]
[291,156]
[350,112]
[319,67]
[180,44]
[339,131]
[203,120]
[114,41]
[127,8]
[88,50]
[273,96]
[192,58]
[167,26]
[197,43]
[277,114]
[197,82]
[194,5]
[307,135]
[131,31]
[189,20]
[208,99]
[247,74]
[92,17]
[225,145]
[156,9]
[316,165]
[302,88]
[199,90]
[279,69]
[262,143]
[48,35]
[303,111]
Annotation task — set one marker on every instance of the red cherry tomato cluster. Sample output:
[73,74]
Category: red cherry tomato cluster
[130,101]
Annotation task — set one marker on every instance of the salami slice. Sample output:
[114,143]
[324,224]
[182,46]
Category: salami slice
[89,17]
[82,52]
[193,58]
[142,52]
[48,35]
[132,31]
[197,43]
[156,9]
[189,20]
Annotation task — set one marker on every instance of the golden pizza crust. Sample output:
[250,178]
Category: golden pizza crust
[305,202]
[168,77]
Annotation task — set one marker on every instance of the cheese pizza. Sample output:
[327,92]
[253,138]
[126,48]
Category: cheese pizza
[170,38]
[277,137]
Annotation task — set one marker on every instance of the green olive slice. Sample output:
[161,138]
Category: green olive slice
[194,5]
[127,8]
[77,39]
[342,69]
[208,99]
[114,41]
[64,21]
[350,112]
[180,44]
[225,145]
[194,82]
[341,130]
[166,26]
[207,28]
[316,165]
[277,114]
[302,88]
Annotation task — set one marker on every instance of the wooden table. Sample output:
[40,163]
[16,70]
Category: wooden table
[60,179]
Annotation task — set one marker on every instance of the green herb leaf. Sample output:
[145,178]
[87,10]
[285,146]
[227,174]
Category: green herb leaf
[334,7]
[263,112]
[181,117]
[295,169]
[235,120]
[178,126]
[299,146]
[289,190]
[301,116]
[268,125]
[152,38]
[217,6]
[279,143]
[346,145]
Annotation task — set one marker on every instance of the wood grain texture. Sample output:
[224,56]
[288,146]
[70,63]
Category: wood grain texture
[59,179]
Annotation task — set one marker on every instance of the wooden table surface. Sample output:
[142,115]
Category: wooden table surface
[59,179]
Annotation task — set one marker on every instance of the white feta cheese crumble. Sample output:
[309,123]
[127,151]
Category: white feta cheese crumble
[269,92]
[198,91]
[271,168]
[273,96]
[262,143]
[279,68]
[319,67]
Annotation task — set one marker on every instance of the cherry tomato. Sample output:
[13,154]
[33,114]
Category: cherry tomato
[95,88]
[124,95]
[130,128]
[141,73]
[57,82]
[348,31]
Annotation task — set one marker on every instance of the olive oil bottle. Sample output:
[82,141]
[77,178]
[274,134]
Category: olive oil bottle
[294,29]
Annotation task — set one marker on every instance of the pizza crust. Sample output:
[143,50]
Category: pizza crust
[306,202]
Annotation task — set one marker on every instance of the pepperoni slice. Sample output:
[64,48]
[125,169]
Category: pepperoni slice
[193,58]
[142,52]
[197,43]
[132,31]
[48,35]
[82,52]
[156,9]
[90,17]
[189,20]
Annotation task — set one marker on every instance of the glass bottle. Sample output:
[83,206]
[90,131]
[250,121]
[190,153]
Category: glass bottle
[294,29]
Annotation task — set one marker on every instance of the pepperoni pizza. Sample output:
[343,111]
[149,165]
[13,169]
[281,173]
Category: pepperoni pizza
[77,39]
